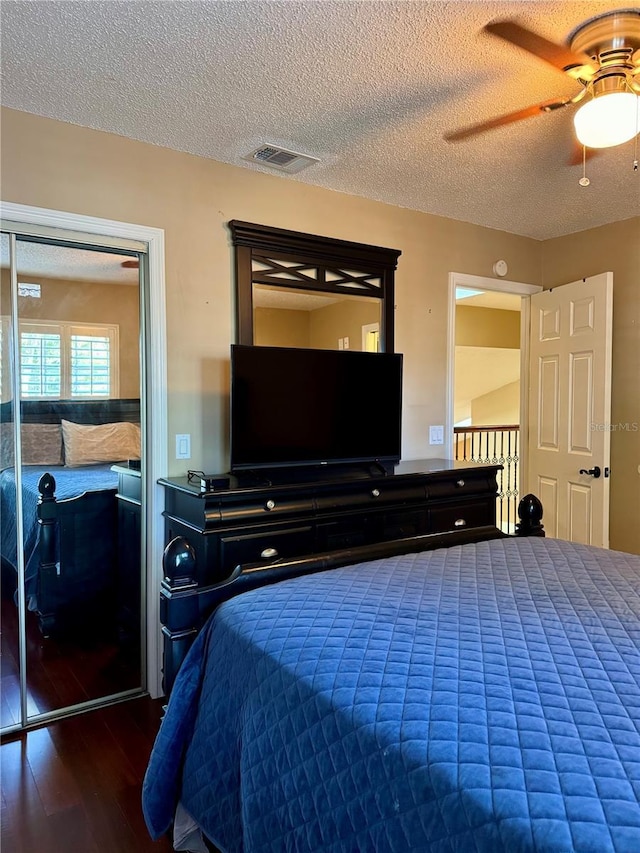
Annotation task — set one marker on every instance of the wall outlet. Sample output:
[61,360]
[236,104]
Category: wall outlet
[436,434]
[183,446]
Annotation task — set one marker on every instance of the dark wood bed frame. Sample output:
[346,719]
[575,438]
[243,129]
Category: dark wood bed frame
[185,606]
[74,576]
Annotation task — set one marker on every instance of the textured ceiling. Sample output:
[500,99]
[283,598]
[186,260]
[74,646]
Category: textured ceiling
[36,261]
[368,87]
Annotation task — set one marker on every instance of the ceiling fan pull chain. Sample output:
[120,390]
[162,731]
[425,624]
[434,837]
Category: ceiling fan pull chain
[584,180]
[635,138]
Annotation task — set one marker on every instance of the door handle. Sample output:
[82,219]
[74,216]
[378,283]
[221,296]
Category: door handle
[594,472]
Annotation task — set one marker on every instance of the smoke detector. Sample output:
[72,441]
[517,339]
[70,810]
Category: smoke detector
[280,159]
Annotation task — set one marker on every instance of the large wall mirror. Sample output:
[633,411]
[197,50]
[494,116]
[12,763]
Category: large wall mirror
[300,290]
[72,506]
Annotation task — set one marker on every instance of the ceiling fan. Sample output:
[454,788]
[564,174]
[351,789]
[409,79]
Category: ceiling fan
[603,56]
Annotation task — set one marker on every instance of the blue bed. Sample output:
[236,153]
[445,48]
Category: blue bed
[484,697]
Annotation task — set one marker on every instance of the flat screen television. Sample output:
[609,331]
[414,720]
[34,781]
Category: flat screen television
[309,407]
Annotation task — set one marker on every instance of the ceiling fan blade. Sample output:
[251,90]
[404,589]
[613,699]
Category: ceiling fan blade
[130,265]
[555,54]
[509,118]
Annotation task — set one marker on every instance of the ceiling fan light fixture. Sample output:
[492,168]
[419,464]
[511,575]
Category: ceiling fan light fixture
[608,119]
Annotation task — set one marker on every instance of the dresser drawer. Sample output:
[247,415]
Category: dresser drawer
[396,524]
[461,515]
[463,483]
[347,533]
[263,509]
[363,496]
[266,545]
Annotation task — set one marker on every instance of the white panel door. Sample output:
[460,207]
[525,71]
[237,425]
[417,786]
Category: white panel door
[570,408]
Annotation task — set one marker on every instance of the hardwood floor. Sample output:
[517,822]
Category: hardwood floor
[75,786]
[61,671]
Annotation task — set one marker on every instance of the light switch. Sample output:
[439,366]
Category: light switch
[183,446]
[436,434]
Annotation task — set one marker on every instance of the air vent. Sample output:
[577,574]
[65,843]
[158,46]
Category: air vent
[28,289]
[280,159]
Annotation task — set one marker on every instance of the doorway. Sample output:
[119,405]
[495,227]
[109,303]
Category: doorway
[487,381]
[76,389]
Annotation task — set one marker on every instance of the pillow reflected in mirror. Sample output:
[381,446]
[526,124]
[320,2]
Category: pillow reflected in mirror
[91,444]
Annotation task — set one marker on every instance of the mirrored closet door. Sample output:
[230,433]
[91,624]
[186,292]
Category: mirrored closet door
[71,426]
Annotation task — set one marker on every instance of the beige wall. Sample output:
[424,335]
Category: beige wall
[342,320]
[64,167]
[89,302]
[280,327]
[613,248]
[499,407]
[319,328]
[487,327]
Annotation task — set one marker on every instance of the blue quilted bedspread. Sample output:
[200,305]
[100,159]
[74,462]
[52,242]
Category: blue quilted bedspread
[70,482]
[479,698]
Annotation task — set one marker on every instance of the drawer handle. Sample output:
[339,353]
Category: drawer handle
[460,483]
[375,493]
[269,553]
[270,505]
[460,522]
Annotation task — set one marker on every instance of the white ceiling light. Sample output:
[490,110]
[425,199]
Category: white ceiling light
[608,119]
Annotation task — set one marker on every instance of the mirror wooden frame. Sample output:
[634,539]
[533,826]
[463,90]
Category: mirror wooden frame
[299,261]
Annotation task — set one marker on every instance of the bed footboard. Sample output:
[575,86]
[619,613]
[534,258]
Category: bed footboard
[76,557]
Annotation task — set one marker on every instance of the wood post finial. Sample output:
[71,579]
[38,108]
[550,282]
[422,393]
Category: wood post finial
[179,563]
[530,514]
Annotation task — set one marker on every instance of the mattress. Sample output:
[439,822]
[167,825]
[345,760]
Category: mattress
[484,697]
